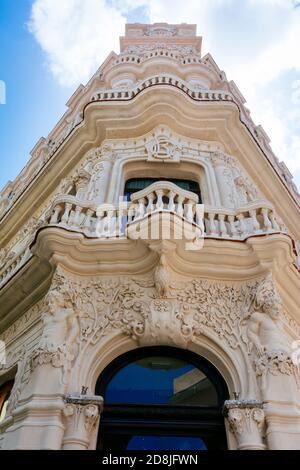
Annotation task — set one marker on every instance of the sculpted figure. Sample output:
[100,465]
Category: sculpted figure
[265,329]
[246,191]
[60,323]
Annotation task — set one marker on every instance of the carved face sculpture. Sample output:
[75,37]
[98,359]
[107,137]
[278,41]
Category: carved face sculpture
[55,300]
[272,307]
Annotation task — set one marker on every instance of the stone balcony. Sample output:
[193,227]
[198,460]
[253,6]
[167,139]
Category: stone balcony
[172,204]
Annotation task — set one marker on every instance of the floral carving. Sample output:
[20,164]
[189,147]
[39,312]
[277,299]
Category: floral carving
[220,307]
[275,363]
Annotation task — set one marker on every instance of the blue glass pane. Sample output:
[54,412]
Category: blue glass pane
[162,381]
[166,443]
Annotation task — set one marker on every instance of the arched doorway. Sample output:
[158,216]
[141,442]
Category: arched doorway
[161,398]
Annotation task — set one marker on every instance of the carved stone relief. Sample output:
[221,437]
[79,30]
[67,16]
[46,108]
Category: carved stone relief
[60,331]
[162,148]
[235,187]
[270,347]
[128,305]
[246,420]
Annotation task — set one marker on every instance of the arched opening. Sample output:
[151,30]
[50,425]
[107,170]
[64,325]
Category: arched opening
[161,398]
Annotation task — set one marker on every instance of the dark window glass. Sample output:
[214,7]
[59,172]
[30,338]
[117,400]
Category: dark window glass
[137,184]
[161,380]
[166,443]
[161,398]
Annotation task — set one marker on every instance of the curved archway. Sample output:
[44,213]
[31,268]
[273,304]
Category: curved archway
[161,398]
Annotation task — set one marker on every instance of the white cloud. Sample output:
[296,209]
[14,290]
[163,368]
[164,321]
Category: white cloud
[76,35]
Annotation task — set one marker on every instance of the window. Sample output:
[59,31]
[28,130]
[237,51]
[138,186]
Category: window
[137,184]
[5,391]
[161,398]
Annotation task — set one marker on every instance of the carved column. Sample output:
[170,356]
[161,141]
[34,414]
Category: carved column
[223,175]
[246,420]
[101,179]
[81,416]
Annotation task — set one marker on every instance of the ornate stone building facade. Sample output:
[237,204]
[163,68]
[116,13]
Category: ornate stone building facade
[154,228]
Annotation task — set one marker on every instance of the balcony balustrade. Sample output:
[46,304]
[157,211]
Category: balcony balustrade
[110,221]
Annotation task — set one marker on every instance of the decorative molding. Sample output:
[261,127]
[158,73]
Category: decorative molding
[60,332]
[81,416]
[269,346]
[246,420]
[163,148]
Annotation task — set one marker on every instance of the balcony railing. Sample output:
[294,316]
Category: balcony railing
[111,221]
[108,220]
[165,196]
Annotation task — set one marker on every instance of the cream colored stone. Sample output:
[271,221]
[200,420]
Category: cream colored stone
[78,288]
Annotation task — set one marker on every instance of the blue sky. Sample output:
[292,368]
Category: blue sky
[48,47]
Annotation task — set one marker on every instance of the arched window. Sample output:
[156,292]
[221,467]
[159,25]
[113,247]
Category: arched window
[161,398]
[137,184]
[5,391]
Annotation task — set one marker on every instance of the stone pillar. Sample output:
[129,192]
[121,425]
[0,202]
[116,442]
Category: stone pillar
[81,416]
[246,419]
[221,163]
[101,179]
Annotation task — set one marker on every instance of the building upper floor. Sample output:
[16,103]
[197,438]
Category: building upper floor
[157,128]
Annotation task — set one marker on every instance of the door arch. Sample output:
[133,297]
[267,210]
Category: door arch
[161,398]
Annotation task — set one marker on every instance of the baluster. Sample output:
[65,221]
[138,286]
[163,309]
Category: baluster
[66,214]
[241,219]
[255,223]
[55,215]
[87,220]
[180,200]
[200,217]
[274,221]
[159,202]
[223,228]
[141,208]
[233,230]
[150,206]
[131,213]
[110,223]
[76,219]
[199,214]
[105,224]
[171,205]
[99,222]
[188,208]
[266,221]
[119,221]
[212,224]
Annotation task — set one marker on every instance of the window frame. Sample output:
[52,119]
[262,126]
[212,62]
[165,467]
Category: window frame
[120,421]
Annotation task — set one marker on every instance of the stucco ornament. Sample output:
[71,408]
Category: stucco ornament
[5,256]
[163,148]
[136,308]
[272,347]
[81,181]
[161,277]
[246,190]
[21,379]
[81,416]
[60,331]
[246,420]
